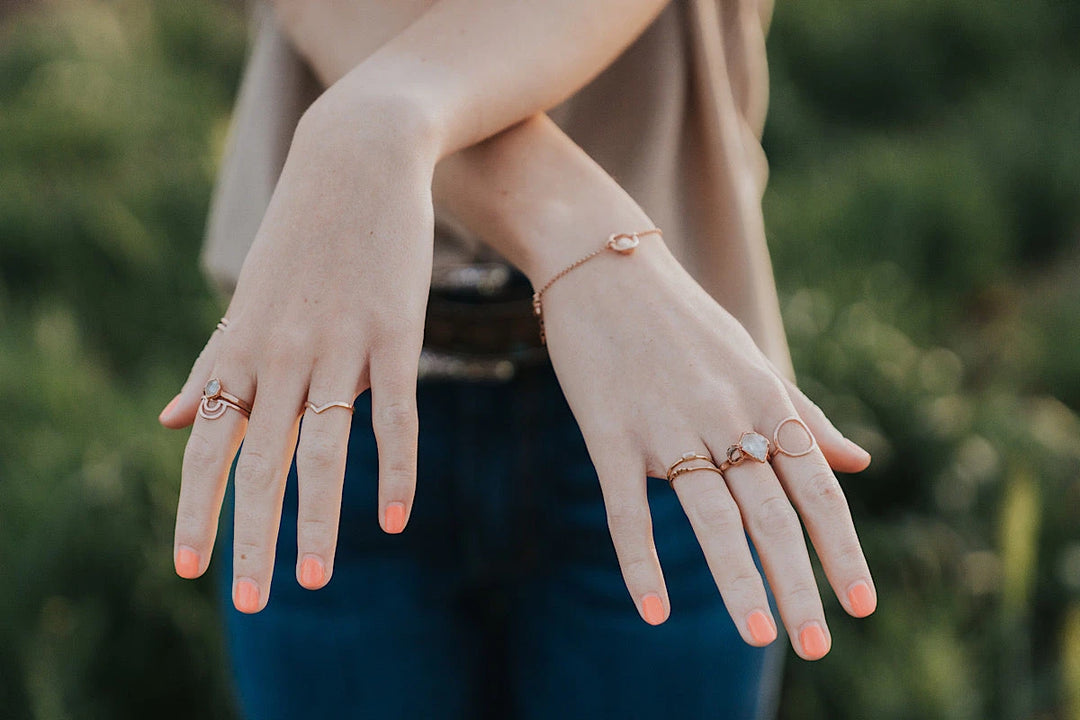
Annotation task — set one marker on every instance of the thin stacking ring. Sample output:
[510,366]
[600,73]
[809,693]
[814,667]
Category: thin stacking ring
[679,467]
[318,409]
[215,401]
[223,324]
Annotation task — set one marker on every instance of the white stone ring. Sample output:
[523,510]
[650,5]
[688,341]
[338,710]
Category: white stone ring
[755,446]
[215,401]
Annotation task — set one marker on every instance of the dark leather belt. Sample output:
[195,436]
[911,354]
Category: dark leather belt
[481,332]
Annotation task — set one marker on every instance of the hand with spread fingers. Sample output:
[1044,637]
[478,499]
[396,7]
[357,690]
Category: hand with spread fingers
[666,384]
[330,303]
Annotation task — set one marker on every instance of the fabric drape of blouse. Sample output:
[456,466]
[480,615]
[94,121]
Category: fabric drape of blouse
[676,120]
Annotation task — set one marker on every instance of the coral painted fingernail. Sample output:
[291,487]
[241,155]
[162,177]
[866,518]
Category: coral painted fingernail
[394,520]
[246,596]
[813,642]
[653,609]
[761,627]
[861,599]
[168,408]
[312,573]
[187,563]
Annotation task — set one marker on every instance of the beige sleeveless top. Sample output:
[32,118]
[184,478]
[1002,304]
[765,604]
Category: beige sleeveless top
[676,120]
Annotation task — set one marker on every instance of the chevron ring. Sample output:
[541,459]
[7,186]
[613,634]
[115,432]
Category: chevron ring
[317,409]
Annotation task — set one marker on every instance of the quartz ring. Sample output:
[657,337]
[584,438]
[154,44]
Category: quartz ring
[751,446]
[682,466]
[215,401]
[317,409]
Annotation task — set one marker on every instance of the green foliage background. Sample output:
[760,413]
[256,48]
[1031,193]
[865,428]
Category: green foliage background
[924,217]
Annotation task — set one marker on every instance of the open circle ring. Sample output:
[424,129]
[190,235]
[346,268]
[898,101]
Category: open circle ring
[779,449]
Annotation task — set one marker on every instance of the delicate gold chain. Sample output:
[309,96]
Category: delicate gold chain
[621,243]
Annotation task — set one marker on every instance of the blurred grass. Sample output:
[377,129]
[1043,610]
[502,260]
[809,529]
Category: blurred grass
[924,214]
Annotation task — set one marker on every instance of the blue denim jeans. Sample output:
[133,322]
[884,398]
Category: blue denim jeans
[502,598]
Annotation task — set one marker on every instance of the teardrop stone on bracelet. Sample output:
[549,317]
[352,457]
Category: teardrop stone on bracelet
[755,445]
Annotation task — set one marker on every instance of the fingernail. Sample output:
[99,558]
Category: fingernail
[813,642]
[312,572]
[858,449]
[861,599]
[187,563]
[653,609]
[168,408]
[246,596]
[394,520]
[761,627]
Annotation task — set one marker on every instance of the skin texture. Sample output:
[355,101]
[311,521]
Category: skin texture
[364,191]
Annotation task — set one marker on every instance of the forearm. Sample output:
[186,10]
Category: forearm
[467,69]
[536,197]
[529,192]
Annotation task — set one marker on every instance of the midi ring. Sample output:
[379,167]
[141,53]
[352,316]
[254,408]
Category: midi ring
[317,409]
[215,401]
[752,445]
[223,324]
[679,467]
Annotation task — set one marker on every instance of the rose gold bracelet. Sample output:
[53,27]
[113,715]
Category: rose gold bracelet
[621,243]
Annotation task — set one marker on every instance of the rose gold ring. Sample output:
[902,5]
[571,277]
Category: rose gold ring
[317,409]
[779,449]
[680,467]
[215,401]
[751,445]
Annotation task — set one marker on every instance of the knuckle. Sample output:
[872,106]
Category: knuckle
[315,532]
[719,513]
[200,453]
[824,489]
[776,518]
[743,584]
[254,469]
[192,524]
[803,596]
[396,416]
[626,519]
[321,452]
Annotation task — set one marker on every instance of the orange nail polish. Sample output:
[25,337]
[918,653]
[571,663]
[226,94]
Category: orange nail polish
[187,563]
[861,599]
[394,520]
[169,407]
[312,573]
[246,596]
[653,609]
[813,642]
[761,627]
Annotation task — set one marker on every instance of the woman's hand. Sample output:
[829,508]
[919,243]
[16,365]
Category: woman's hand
[653,368]
[330,302]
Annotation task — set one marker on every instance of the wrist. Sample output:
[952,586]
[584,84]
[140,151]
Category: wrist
[388,124]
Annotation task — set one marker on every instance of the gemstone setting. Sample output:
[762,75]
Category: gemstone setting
[212,388]
[754,445]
